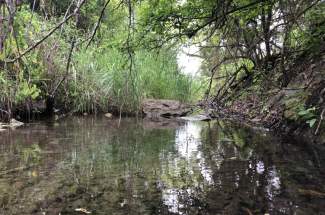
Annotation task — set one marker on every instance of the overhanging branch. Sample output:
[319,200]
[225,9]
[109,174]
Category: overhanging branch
[67,18]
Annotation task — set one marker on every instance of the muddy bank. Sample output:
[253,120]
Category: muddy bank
[151,108]
[280,126]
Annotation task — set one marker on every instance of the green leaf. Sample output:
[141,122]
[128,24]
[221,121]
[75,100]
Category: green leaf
[303,112]
[311,122]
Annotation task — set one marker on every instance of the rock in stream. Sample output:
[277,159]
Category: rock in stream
[155,108]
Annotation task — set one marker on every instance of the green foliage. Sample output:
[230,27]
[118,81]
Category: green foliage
[308,115]
[26,91]
[297,112]
[99,77]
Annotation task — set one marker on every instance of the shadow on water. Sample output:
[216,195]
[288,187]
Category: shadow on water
[90,164]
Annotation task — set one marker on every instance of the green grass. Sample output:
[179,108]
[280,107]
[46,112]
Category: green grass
[103,79]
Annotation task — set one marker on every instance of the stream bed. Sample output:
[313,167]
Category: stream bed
[96,165]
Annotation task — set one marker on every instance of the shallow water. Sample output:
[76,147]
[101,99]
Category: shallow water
[98,165]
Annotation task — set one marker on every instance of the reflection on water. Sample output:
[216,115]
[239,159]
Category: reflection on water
[145,167]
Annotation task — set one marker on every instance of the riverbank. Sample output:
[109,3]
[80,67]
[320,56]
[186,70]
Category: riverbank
[243,113]
[283,129]
[298,108]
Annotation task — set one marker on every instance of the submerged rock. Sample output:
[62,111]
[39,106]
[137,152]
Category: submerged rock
[155,108]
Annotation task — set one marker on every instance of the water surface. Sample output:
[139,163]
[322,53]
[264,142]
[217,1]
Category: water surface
[98,165]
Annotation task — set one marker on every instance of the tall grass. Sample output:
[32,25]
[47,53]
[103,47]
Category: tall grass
[102,79]
[160,78]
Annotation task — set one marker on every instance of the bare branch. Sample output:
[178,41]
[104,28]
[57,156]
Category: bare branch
[98,23]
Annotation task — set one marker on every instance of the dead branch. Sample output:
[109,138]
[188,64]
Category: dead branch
[214,69]
[228,83]
[320,121]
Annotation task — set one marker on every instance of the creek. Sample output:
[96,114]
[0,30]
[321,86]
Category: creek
[96,165]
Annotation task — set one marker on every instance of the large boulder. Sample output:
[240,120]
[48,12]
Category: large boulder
[155,108]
